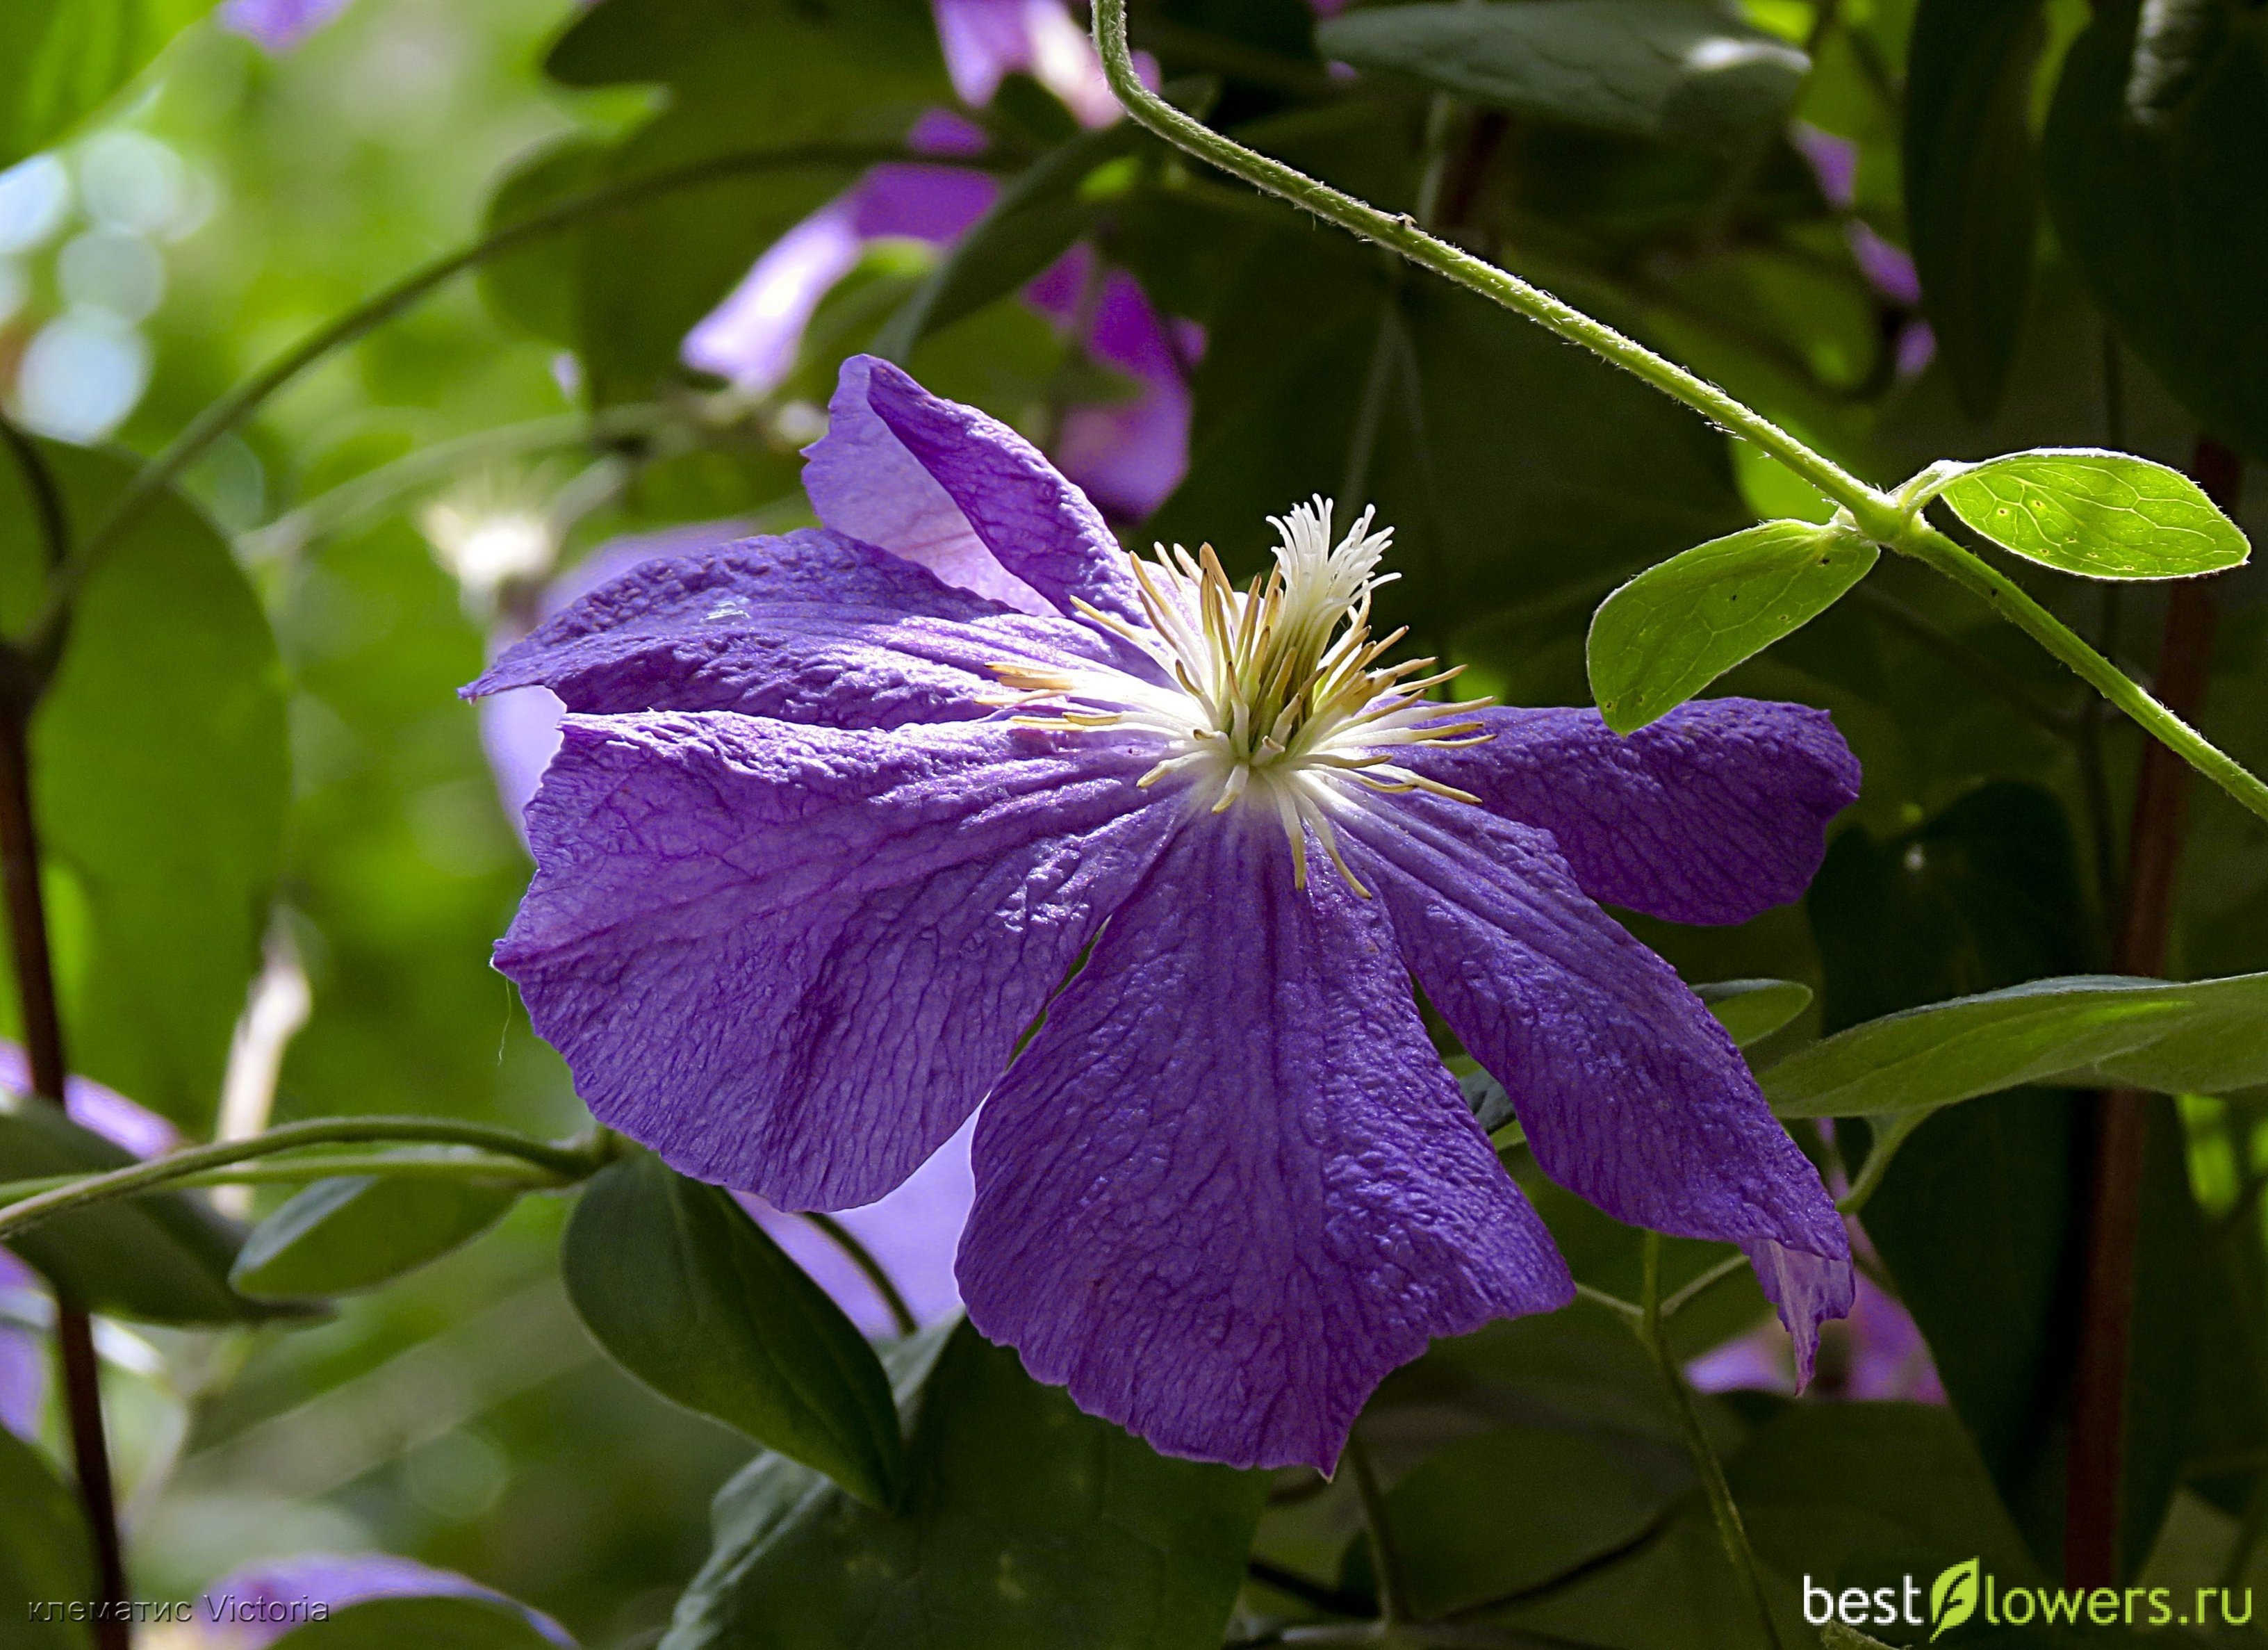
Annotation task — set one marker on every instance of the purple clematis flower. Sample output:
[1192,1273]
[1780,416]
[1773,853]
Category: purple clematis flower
[278,26]
[261,1602]
[839,816]
[23,1356]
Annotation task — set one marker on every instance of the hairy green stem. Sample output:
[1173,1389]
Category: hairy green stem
[567,1163]
[1722,1508]
[1887,520]
[863,1258]
[233,409]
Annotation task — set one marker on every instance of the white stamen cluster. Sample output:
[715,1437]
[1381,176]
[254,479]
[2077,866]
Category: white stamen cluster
[1279,700]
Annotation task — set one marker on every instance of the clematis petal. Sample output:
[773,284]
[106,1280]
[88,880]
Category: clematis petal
[962,494]
[1713,814]
[1229,1185]
[1632,1095]
[810,627]
[792,960]
[258,1604]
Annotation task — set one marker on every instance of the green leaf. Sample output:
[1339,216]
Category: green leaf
[1648,67]
[1678,626]
[340,1235]
[534,288]
[430,1624]
[1752,1010]
[2105,515]
[1035,219]
[1026,1526]
[42,1550]
[63,60]
[1970,203]
[1514,1509]
[162,778]
[2156,163]
[687,1293]
[2197,1037]
[165,1257]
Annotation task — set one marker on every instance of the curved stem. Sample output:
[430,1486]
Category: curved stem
[487,1170]
[863,1258]
[239,404]
[1683,1298]
[1973,574]
[566,1162]
[47,506]
[1885,519]
[1402,234]
[1889,1134]
[1722,1508]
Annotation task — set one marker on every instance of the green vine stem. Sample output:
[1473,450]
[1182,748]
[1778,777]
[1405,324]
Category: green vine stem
[488,1169]
[1888,519]
[863,1258]
[1722,1508]
[565,1163]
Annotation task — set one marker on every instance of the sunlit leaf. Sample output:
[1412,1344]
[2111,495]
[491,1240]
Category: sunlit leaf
[341,1235]
[2106,515]
[1752,1010]
[690,1295]
[63,60]
[1650,68]
[1678,626]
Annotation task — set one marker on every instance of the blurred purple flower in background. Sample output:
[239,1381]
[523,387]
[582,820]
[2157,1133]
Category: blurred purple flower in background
[257,1605]
[23,1350]
[279,25]
[835,814]
[1887,269]
[1878,1355]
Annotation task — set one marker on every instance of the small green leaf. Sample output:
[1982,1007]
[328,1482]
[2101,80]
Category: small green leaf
[42,1549]
[1647,68]
[164,1256]
[1752,1010]
[357,1233]
[2205,1037]
[430,1624]
[1025,1525]
[687,1293]
[2105,515]
[63,60]
[1678,626]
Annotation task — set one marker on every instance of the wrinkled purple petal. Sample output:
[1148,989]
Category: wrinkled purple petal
[1229,1186]
[259,1604]
[962,494]
[1632,1095]
[986,41]
[1711,814]
[102,1110]
[911,1234]
[279,25]
[811,627]
[792,960]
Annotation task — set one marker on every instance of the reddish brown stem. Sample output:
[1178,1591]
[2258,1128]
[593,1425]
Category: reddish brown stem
[43,1043]
[2092,1506]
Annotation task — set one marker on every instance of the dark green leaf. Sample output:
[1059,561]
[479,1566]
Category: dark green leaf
[1678,626]
[63,60]
[1752,1010]
[687,1293]
[162,779]
[1513,1509]
[2106,515]
[165,1257]
[2155,163]
[535,287]
[1025,1525]
[2201,1037]
[428,1623]
[340,1235]
[1970,205]
[42,1550]
[1501,458]
[769,69]
[1035,220]
[1650,68]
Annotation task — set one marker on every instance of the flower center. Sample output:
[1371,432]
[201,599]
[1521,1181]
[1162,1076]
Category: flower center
[1279,698]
